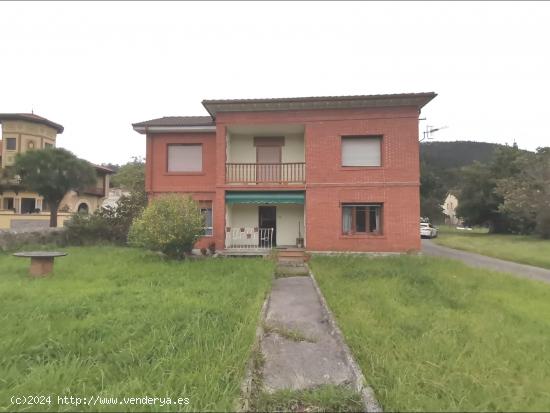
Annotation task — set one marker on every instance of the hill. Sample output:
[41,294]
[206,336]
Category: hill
[451,155]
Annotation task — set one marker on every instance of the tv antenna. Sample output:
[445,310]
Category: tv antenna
[426,135]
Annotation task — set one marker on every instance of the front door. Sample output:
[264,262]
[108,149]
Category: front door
[268,219]
[268,159]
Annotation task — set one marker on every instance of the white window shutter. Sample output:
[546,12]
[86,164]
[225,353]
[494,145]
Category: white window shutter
[361,151]
[185,158]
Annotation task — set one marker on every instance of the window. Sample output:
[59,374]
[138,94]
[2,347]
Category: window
[361,218]
[185,158]
[361,150]
[206,210]
[11,144]
[48,145]
[8,203]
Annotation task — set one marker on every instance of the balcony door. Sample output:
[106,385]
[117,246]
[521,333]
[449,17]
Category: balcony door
[268,160]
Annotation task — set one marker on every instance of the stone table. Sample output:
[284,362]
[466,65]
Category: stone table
[41,261]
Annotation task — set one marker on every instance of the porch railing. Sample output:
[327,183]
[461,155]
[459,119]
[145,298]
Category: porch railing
[291,172]
[248,238]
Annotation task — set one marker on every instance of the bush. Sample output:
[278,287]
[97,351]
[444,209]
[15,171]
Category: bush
[170,224]
[106,224]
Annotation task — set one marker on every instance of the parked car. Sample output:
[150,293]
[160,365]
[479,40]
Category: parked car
[427,230]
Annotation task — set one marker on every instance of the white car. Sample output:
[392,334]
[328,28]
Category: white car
[427,230]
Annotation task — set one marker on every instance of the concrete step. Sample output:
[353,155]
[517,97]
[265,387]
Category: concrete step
[291,270]
[291,259]
[291,253]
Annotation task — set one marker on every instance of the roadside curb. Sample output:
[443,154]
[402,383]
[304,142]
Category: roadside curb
[246,386]
[367,394]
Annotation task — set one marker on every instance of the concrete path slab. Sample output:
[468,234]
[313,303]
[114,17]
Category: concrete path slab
[309,357]
[483,261]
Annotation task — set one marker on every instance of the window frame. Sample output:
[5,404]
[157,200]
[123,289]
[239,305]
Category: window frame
[368,206]
[380,138]
[203,206]
[11,139]
[167,169]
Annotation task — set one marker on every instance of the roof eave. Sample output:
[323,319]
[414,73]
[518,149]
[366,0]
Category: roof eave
[174,129]
[417,100]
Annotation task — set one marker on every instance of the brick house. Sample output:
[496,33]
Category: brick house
[333,173]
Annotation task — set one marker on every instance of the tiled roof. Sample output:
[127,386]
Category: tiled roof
[322,98]
[102,168]
[178,121]
[31,117]
[317,102]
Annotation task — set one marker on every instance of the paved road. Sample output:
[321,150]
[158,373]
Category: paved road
[476,260]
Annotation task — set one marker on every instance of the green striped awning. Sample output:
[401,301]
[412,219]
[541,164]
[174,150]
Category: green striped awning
[265,197]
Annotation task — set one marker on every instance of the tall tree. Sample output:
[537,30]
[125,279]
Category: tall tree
[432,191]
[52,172]
[479,200]
[527,194]
[130,176]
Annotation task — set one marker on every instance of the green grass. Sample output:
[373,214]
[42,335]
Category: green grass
[436,335]
[322,399]
[117,322]
[525,249]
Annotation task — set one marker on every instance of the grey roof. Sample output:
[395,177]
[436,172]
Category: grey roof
[317,102]
[31,117]
[213,106]
[178,121]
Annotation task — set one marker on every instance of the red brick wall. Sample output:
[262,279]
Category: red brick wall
[395,183]
[201,186]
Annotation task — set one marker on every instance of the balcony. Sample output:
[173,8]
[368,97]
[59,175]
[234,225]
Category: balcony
[265,173]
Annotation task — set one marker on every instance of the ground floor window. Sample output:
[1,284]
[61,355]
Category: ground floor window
[361,218]
[7,203]
[206,210]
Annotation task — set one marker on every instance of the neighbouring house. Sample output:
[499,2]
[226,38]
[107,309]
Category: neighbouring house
[334,173]
[114,195]
[449,210]
[21,209]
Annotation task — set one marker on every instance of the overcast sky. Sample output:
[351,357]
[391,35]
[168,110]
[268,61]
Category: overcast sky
[97,67]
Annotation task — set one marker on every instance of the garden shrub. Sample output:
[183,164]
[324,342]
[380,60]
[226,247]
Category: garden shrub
[106,224]
[170,224]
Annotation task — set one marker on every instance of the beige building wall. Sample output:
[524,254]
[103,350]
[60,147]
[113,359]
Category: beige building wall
[7,218]
[241,149]
[28,135]
[72,201]
[289,217]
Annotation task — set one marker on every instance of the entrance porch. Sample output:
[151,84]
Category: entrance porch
[260,221]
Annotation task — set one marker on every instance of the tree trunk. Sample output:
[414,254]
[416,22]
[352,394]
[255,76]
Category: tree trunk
[53,214]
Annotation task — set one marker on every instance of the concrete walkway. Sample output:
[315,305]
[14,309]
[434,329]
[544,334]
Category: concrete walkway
[299,349]
[482,261]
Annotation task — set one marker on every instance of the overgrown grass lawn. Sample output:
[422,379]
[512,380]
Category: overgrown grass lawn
[119,322]
[435,335]
[525,249]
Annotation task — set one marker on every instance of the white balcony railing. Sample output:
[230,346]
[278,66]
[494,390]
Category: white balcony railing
[248,238]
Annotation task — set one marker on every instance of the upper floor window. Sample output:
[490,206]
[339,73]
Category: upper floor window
[361,150]
[185,158]
[11,144]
